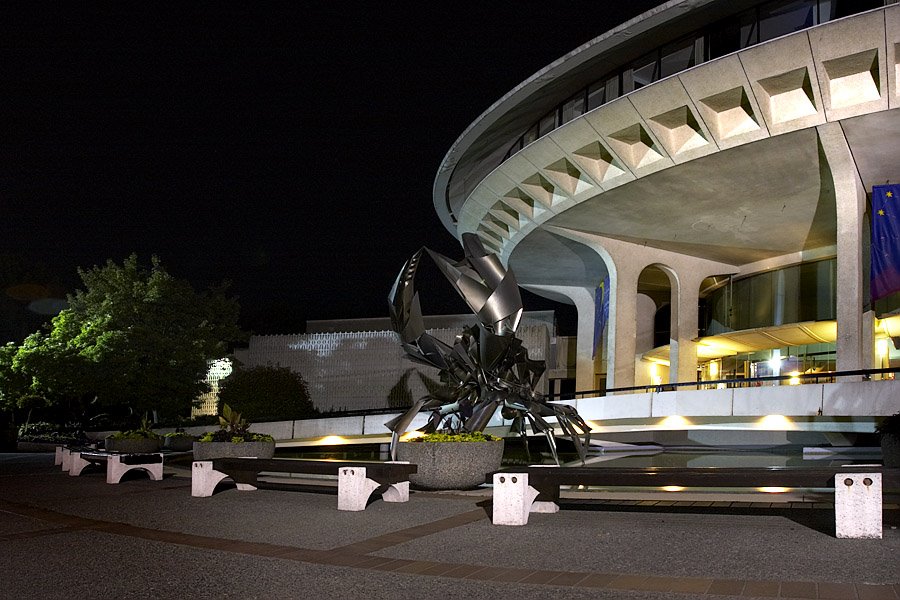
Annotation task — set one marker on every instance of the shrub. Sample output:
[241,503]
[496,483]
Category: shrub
[141,433]
[476,436]
[233,428]
[51,433]
[267,394]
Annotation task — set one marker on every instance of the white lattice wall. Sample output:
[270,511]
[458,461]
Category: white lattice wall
[359,370]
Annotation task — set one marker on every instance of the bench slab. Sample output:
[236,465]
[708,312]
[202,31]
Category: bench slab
[356,479]
[116,464]
[519,491]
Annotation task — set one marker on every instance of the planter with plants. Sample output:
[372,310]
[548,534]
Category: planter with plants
[889,430]
[134,441]
[451,461]
[179,441]
[233,439]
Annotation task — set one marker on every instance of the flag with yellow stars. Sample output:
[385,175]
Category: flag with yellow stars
[885,278]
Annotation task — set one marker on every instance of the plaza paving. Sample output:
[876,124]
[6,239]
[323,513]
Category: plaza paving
[67,537]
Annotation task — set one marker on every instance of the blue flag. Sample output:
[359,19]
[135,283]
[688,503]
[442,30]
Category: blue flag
[885,275]
[601,311]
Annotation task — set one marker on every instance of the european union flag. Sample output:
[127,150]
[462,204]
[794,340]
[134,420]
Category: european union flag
[885,278]
[601,311]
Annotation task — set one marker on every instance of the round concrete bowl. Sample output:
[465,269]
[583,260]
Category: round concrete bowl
[139,446]
[450,465]
[211,450]
[179,443]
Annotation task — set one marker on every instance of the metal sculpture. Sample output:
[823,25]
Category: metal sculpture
[487,368]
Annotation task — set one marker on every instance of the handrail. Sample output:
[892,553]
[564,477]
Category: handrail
[733,383]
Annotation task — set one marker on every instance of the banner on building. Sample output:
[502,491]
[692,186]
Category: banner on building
[601,312]
[885,250]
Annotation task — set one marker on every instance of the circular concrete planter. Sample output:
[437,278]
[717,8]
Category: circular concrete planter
[179,443]
[450,465]
[211,450]
[890,449]
[142,446]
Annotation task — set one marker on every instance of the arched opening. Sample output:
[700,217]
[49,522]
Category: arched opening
[654,326]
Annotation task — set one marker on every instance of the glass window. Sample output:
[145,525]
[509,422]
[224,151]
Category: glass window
[547,124]
[596,95]
[602,92]
[573,107]
[779,18]
[643,72]
[749,28]
[725,38]
[835,9]
[678,57]
[530,135]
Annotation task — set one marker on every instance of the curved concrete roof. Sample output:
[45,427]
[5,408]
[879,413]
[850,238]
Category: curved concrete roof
[721,161]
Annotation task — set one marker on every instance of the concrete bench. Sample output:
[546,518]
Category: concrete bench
[117,464]
[356,479]
[520,491]
[64,453]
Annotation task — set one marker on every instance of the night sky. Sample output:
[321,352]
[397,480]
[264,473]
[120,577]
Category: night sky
[287,148]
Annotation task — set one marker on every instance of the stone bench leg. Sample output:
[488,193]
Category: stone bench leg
[115,469]
[857,505]
[354,488]
[76,464]
[397,492]
[58,456]
[513,498]
[66,461]
[204,478]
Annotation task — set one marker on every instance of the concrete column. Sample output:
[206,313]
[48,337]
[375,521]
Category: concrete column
[622,331]
[583,299]
[685,327]
[850,201]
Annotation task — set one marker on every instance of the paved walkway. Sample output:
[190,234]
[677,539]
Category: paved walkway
[65,537]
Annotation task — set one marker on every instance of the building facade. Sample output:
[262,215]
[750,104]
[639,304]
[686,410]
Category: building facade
[696,182]
[359,364]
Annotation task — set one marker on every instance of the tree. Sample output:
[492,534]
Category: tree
[15,387]
[266,393]
[134,337]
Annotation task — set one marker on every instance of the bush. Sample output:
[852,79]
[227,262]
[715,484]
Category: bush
[51,433]
[475,436]
[267,394]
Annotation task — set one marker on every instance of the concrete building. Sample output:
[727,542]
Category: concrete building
[710,162]
[359,364]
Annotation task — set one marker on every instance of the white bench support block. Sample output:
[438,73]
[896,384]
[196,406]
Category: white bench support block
[66,459]
[76,464]
[857,505]
[115,469]
[513,498]
[204,478]
[354,488]
[245,487]
[397,492]
[58,456]
[544,507]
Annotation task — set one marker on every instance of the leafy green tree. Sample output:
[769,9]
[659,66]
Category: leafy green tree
[15,387]
[134,337]
[266,393]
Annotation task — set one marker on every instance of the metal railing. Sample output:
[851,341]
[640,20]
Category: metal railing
[804,378]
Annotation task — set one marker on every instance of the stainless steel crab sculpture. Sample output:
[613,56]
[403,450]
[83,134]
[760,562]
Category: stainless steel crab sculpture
[487,368]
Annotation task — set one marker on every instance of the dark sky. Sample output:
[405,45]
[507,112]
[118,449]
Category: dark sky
[288,148]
